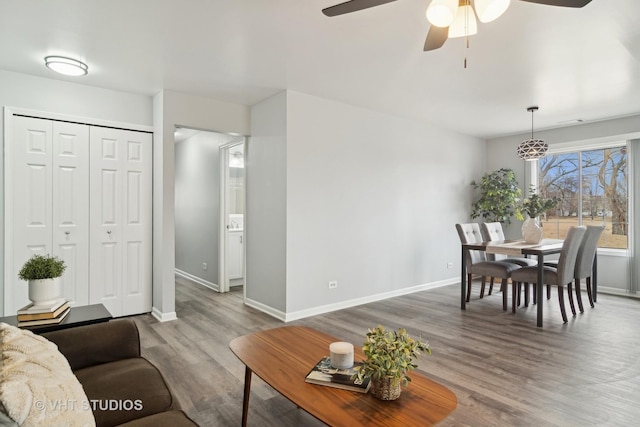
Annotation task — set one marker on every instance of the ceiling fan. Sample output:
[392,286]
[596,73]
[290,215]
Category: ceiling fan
[451,18]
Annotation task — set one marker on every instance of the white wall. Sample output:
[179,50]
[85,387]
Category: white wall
[54,96]
[266,217]
[613,269]
[371,201]
[197,211]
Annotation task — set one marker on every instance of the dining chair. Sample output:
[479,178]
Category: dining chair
[559,276]
[477,263]
[491,232]
[584,262]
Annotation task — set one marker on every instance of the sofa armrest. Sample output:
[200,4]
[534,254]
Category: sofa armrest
[96,344]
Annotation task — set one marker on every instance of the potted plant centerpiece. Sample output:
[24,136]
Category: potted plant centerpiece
[390,357]
[43,274]
[534,206]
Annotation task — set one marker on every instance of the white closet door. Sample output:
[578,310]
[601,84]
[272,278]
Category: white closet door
[120,220]
[29,169]
[71,207]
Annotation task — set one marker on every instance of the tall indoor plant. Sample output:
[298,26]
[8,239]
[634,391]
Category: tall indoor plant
[390,357]
[499,197]
[43,273]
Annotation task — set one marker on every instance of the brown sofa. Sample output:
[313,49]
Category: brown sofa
[125,389]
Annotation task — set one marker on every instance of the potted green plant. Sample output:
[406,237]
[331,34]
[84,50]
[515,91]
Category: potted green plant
[43,273]
[534,206]
[389,358]
[499,197]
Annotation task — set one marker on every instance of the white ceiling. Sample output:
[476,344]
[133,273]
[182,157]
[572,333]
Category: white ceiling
[573,63]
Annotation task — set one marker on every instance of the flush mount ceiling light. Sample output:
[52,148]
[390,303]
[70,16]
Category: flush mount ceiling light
[532,149]
[66,66]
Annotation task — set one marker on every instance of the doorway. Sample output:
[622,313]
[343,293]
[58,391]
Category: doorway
[200,226]
[232,212]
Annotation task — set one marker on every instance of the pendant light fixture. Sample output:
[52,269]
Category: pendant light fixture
[532,149]
[66,66]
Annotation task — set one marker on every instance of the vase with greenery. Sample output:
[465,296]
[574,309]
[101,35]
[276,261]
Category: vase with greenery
[534,206]
[499,197]
[389,358]
[43,273]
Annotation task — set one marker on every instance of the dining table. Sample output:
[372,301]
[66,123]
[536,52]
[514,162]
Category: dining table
[520,248]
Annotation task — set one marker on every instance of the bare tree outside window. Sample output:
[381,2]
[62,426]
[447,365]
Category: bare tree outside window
[593,190]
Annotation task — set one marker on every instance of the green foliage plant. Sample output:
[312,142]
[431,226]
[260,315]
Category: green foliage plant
[42,267]
[535,205]
[499,197]
[390,354]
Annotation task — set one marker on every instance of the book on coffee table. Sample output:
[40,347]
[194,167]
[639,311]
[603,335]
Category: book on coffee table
[325,374]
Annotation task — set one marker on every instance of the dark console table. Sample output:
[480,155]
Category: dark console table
[78,316]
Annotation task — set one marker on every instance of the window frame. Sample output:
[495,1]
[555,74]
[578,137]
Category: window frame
[580,147]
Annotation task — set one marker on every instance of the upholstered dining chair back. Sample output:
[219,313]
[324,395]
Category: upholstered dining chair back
[492,231]
[567,260]
[587,251]
[470,233]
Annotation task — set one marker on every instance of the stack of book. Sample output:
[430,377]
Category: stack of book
[325,374]
[46,314]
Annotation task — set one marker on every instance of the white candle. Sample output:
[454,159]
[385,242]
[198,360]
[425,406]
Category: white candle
[341,354]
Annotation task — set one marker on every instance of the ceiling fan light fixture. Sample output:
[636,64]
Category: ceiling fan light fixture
[441,13]
[66,66]
[532,149]
[464,23]
[490,10]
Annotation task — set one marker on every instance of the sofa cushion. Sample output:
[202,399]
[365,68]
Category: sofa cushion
[168,419]
[125,390]
[37,387]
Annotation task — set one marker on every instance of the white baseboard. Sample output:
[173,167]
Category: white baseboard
[288,317]
[163,317]
[196,279]
[266,309]
[365,300]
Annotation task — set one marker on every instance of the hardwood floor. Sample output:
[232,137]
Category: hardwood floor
[504,370]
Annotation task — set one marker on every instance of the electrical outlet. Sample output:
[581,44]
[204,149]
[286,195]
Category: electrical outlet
[333,284]
[449,265]
[204,266]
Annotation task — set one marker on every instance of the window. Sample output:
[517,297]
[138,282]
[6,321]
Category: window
[592,187]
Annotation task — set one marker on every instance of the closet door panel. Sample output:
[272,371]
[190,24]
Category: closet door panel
[138,230]
[71,207]
[105,265]
[29,199]
[121,220]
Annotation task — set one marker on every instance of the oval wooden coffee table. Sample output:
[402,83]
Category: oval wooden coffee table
[283,357]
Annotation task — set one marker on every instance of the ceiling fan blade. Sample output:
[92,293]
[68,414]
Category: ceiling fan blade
[352,6]
[564,3]
[436,38]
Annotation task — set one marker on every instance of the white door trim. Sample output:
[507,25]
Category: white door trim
[223,242]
